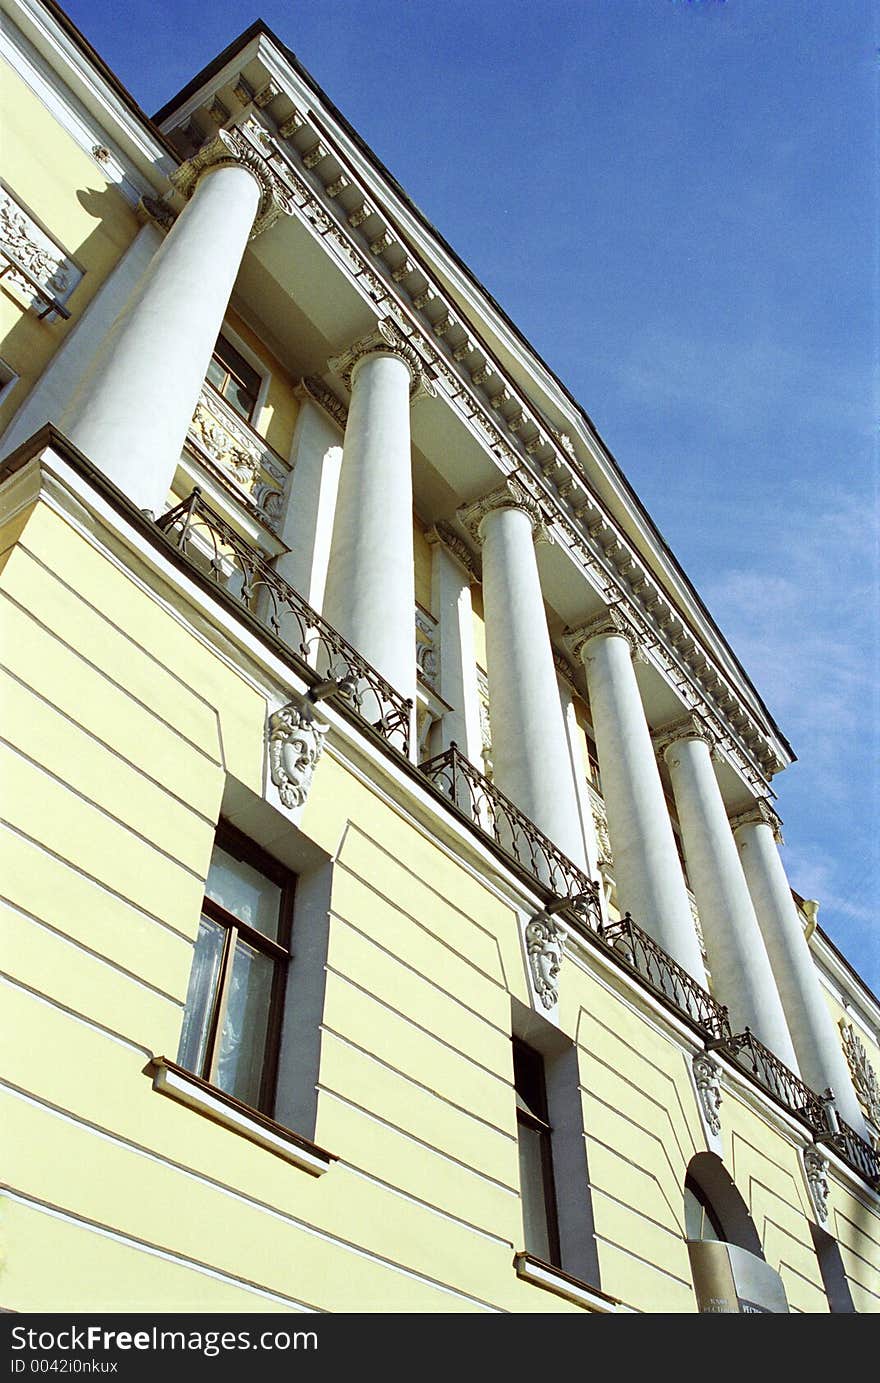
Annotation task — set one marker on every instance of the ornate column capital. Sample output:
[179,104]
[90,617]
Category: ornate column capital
[760,813]
[386,340]
[613,621]
[443,535]
[511,495]
[689,727]
[230,149]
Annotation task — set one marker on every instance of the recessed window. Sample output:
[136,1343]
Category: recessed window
[535,1155]
[232,376]
[232,1019]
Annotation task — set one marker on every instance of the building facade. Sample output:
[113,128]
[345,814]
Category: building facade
[394,915]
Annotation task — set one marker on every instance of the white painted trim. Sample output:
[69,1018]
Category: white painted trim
[175,1084]
[141,1246]
[542,1275]
[262,369]
[81,125]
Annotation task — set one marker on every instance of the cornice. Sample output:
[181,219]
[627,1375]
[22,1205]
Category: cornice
[334,196]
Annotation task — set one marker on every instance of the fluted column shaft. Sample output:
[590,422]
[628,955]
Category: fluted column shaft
[131,412]
[820,1055]
[742,977]
[647,870]
[529,746]
[370,592]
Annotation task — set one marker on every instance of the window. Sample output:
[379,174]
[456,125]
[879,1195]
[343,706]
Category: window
[232,1019]
[234,378]
[535,1156]
[700,1218]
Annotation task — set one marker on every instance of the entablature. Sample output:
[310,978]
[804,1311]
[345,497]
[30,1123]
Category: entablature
[338,194]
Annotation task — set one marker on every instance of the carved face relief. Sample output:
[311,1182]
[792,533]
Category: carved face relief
[544,944]
[296,742]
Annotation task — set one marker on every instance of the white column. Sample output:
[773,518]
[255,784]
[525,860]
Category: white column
[741,974]
[819,1052]
[310,502]
[55,387]
[130,414]
[647,870]
[529,744]
[453,609]
[370,592]
[579,776]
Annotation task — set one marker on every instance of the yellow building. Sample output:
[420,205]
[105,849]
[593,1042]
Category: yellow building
[393,914]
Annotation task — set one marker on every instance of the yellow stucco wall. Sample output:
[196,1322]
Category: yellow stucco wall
[64,190]
[122,728]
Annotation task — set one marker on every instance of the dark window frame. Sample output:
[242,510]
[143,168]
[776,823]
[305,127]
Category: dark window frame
[237,376]
[532,1113]
[279,952]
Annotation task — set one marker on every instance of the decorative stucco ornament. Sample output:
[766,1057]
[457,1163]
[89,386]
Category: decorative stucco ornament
[296,742]
[816,1168]
[707,1074]
[864,1077]
[544,945]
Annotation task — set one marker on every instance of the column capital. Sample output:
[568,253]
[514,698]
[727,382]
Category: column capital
[229,149]
[613,621]
[511,495]
[689,727]
[443,535]
[385,340]
[759,813]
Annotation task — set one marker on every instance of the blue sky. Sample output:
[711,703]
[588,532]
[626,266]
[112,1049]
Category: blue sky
[675,200]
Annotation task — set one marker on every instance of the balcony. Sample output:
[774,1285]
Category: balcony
[220,554]
[231,450]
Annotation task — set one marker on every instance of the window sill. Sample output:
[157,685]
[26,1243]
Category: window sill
[181,1085]
[553,1279]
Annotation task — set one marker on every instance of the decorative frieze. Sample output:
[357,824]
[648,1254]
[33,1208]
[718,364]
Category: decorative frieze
[228,149]
[237,451]
[864,1077]
[427,648]
[388,340]
[544,948]
[28,245]
[707,1075]
[296,741]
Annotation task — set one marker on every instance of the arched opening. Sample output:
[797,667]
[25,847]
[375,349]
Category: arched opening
[714,1208]
[727,1261]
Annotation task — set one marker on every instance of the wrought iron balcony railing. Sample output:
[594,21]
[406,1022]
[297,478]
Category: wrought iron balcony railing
[217,550]
[773,1074]
[856,1152]
[641,953]
[509,829]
